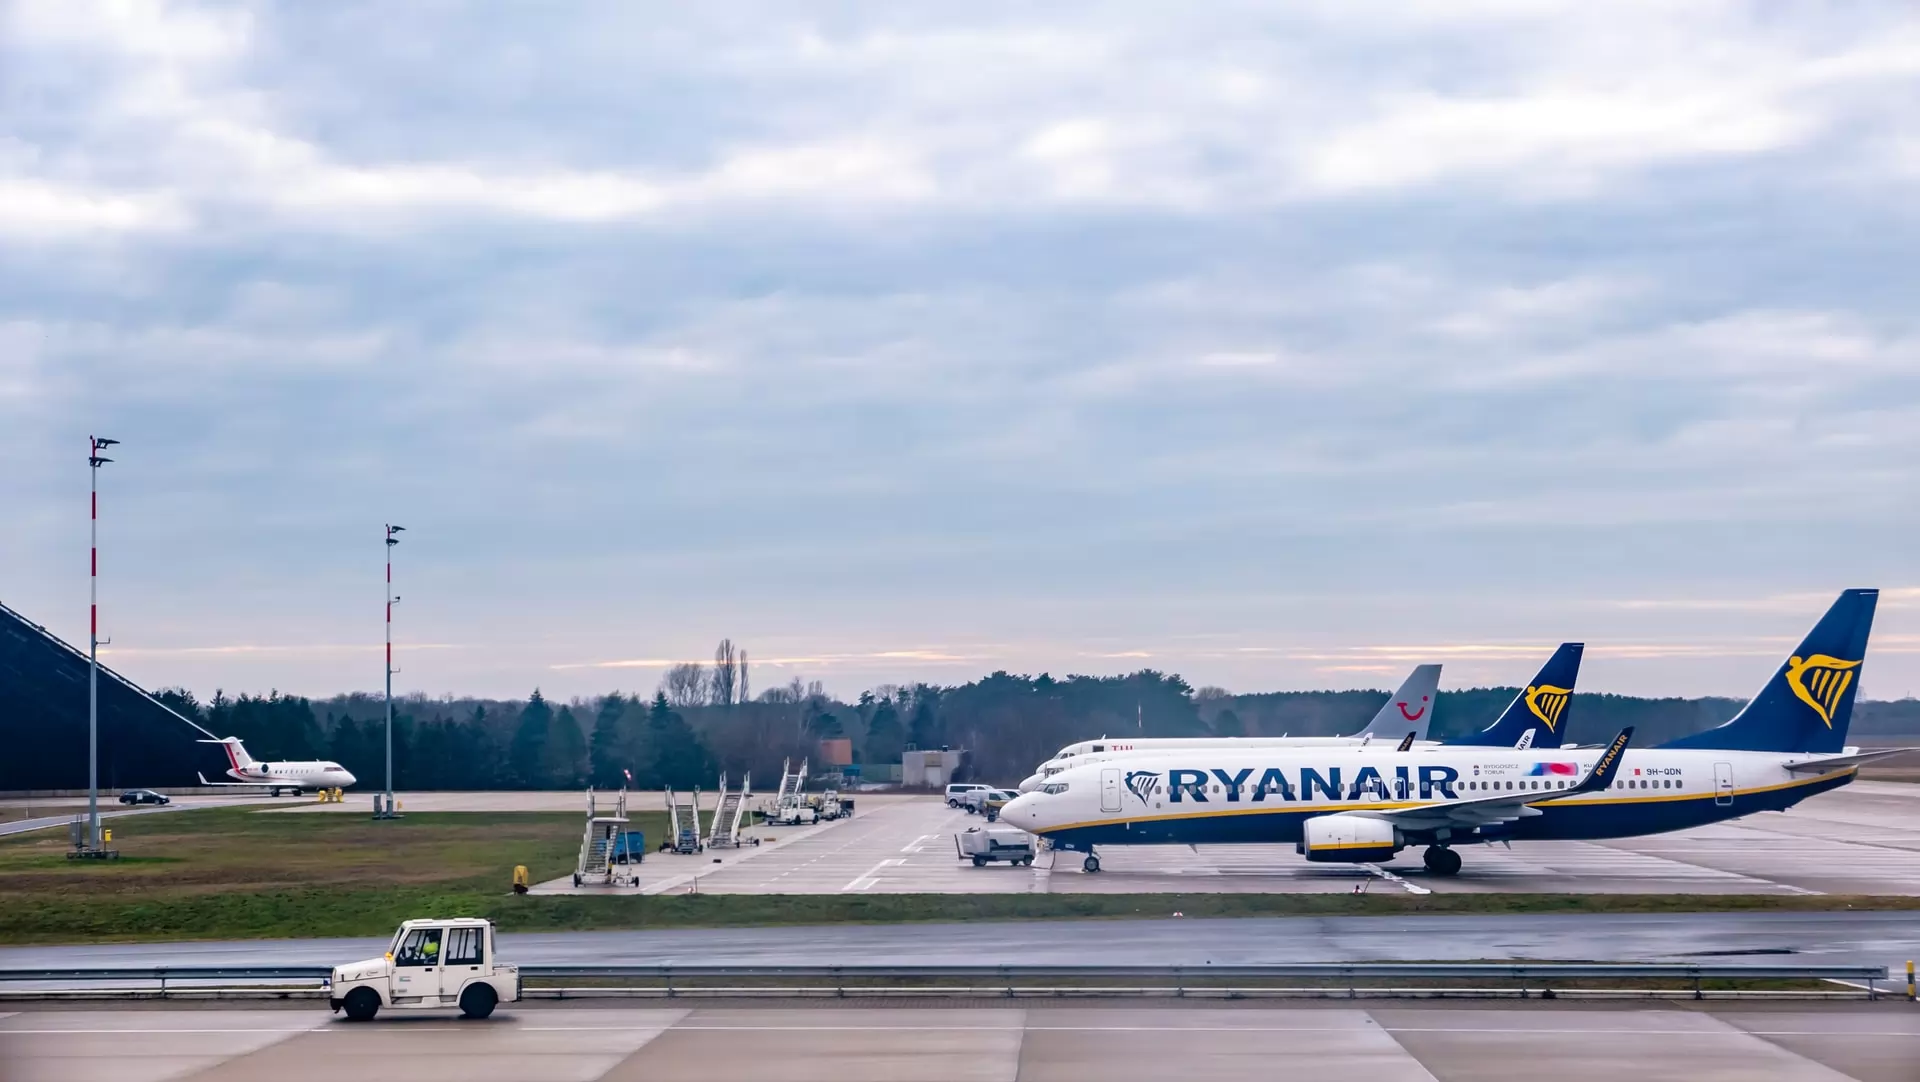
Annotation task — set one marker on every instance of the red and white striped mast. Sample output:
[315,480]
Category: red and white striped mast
[391,541]
[96,444]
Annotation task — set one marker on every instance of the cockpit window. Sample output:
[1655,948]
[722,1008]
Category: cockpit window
[1055,787]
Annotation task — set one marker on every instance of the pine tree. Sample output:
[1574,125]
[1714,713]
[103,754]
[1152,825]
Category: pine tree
[675,756]
[566,757]
[608,755]
[529,743]
[885,739]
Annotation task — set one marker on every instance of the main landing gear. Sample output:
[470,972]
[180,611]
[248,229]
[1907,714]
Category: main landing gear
[1442,860]
[1091,864]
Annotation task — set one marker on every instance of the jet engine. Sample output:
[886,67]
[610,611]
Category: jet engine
[1348,839]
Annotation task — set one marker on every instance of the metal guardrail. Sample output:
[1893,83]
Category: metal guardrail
[672,980]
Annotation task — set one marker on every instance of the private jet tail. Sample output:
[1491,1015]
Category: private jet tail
[1539,711]
[1410,709]
[236,752]
[1808,704]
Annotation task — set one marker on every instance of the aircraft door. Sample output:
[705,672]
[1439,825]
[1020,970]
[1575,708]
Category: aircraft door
[1110,789]
[1723,783]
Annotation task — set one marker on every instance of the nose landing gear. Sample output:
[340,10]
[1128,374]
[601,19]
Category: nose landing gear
[1441,860]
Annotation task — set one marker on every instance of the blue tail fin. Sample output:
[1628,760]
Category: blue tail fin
[1809,701]
[1541,706]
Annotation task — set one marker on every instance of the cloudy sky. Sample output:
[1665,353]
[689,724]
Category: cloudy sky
[1280,346]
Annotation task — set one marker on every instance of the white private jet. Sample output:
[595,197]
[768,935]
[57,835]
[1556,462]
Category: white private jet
[275,778]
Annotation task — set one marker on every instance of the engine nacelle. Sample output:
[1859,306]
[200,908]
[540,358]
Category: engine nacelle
[1348,839]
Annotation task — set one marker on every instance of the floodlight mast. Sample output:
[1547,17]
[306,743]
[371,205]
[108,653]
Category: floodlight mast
[95,444]
[391,541]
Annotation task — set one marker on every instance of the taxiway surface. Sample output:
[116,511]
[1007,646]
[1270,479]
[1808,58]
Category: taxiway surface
[1844,938]
[1861,839]
[804,1043]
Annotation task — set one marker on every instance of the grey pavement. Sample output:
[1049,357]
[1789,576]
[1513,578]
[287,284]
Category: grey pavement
[111,808]
[1843,938]
[837,1043]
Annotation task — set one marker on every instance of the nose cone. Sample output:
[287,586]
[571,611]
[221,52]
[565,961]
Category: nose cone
[348,775]
[1029,783]
[1023,811]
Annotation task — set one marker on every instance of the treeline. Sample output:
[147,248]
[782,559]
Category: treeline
[706,718]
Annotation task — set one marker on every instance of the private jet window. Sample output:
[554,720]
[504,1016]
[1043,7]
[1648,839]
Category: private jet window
[463,946]
[420,948]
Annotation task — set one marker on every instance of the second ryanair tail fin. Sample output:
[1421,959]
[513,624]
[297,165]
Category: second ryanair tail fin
[1539,711]
[1410,708]
[1809,702]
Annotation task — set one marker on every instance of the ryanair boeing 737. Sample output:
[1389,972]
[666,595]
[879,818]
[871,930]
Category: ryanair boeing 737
[1359,806]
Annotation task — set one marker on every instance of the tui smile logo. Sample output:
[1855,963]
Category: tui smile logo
[1820,681]
[1140,783]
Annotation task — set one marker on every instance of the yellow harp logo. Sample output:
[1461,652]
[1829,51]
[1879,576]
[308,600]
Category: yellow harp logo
[1548,703]
[1820,681]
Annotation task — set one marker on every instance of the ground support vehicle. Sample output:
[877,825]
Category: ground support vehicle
[683,836]
[723,830]
[960,789]
[604,825]
[144,796]
[983,845]
[436,962]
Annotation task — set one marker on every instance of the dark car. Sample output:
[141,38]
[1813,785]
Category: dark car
[144,796]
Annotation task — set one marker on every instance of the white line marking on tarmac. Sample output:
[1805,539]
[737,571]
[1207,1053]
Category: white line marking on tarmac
[1410,888]
[869,877]
[914,846]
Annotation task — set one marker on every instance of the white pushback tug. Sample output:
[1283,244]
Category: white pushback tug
[435,962]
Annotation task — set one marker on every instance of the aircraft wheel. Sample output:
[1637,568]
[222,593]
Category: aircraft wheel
[1441,860]
[362,1004]
[1091,864]
[478,1000]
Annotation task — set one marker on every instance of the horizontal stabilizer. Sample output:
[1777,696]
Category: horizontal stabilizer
[1839,762]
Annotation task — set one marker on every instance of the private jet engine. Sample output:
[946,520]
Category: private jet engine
[1348,839]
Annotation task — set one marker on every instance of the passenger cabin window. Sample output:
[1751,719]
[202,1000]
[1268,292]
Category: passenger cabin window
[420,948]
[464,946]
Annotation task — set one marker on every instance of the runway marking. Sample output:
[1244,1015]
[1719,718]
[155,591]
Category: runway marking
[1410,888]
[870,876]
[914,846]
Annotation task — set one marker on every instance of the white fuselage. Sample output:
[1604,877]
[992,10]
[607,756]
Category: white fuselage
[1212,796]
[293,775]
[1110,751]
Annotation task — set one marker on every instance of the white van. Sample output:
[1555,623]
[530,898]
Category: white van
[956,793]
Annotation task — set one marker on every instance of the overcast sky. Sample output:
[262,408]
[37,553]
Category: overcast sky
[1277,345]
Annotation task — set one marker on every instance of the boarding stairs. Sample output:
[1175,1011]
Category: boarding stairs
[724,830]
[684,830]
[604,823]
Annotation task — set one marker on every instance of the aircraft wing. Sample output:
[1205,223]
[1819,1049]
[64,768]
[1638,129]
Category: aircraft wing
[1837,762]
[238,784]
[1506,807]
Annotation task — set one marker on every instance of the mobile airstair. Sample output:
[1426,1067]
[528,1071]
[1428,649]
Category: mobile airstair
[604,823]
[683,833]
[788,808]
[724,830]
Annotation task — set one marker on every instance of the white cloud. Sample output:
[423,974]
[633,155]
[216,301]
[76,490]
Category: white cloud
[32,209]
